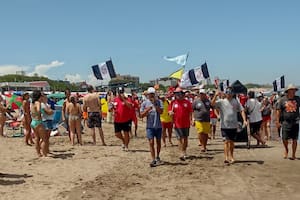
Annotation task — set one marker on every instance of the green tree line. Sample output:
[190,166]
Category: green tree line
[54,85]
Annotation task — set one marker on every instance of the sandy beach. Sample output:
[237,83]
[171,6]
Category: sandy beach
[98,172]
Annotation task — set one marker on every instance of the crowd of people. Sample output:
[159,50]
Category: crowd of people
[176,110]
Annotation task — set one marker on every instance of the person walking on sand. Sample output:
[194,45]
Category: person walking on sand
[122,117]
[228,109]
[213,117]
[201,120]
[27,119]
[181,110]
[166,120]
[288,110]
[253,106]
[47,118]
[266,112]
[74,112]
[92,106]
[152,108]
[37,124]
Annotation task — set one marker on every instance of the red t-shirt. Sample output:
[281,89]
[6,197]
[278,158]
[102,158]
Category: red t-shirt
[182,113]
[243,99]
[122,111]
[135,106]
[212,113]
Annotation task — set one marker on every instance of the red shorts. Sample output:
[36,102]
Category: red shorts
[266,118]
[167,124]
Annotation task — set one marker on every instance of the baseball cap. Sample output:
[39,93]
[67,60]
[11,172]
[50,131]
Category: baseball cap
[151,90]
[202,91]
[121,89]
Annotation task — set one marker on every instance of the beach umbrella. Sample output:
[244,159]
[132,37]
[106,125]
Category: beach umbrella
[14,102]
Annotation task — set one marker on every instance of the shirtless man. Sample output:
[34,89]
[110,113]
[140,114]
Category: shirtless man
[93,107]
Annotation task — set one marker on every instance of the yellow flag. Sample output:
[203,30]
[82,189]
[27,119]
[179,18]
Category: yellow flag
[177,74]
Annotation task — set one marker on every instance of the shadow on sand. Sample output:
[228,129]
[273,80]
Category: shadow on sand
[3,178]
[174,163]
[62,156]
[207,157]
[249,162]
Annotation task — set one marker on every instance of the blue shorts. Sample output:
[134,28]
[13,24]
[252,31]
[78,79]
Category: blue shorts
[48,124]
[154,132]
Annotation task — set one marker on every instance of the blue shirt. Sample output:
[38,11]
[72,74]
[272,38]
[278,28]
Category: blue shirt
[153,117]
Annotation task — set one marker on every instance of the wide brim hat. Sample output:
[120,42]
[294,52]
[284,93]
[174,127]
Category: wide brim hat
[291,87]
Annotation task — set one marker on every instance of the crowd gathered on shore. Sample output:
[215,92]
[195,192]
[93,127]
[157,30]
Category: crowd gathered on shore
[165,114]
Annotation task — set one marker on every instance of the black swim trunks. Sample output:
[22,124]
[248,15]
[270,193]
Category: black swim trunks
[290,131]
[94,120]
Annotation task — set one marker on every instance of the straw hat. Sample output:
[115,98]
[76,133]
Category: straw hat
[291,87]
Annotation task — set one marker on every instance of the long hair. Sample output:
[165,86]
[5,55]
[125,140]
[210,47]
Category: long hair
[36,95]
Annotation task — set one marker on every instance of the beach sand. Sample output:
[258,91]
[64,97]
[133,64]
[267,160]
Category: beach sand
[97,172]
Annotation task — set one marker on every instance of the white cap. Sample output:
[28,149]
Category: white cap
[151,90]
[202,91]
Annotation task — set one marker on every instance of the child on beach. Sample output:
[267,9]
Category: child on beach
[74,112]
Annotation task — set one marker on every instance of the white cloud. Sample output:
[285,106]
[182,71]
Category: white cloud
[42,69]
[12,69]
[73,78]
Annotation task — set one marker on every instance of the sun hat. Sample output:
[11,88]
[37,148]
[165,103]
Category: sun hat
[291,87]
[151,90]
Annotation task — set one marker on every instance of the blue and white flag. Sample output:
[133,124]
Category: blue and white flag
[194,76]
[104,71]
[279,84]
[180,60]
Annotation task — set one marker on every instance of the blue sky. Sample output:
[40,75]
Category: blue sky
[253,41]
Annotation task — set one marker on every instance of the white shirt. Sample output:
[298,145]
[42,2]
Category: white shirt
[254,106]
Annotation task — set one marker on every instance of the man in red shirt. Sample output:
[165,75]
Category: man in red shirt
[122,117]
[181,110]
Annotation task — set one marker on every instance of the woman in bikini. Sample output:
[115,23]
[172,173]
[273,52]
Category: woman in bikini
[27,119]
[3,110]
[36,124]
[74,112]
